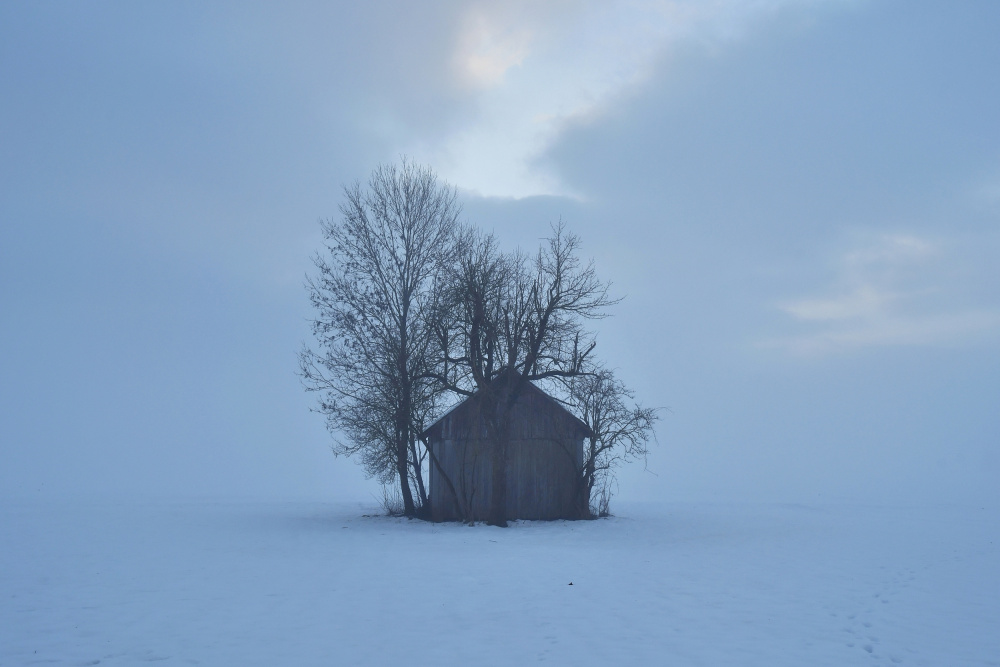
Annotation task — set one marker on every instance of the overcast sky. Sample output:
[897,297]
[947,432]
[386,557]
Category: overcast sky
[800,202]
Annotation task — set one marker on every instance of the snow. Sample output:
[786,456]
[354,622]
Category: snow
[299,583]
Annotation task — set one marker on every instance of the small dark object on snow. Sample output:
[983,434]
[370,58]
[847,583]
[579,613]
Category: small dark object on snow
[571,583]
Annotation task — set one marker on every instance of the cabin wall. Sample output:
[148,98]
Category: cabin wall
[541,478]
[545,456]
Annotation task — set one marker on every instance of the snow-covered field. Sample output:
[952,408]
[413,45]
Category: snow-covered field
[256,583]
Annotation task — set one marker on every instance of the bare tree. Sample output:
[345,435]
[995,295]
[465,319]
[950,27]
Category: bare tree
[620,432]
[375,296]
[514,320]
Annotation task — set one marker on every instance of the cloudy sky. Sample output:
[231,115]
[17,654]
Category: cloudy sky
[799,200]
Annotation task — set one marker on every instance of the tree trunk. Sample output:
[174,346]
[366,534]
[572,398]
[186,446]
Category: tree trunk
[587,488]
[498,499]
[403,468]
[419,476]
[404,486]
[403,416]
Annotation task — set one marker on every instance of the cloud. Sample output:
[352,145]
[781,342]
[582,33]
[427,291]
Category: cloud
[532,68]
[888,330]
[866,301]
[890,249]
[488,47]
[891,291]
[987,192]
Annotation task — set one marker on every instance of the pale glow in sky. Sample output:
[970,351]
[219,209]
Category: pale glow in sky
[534,68]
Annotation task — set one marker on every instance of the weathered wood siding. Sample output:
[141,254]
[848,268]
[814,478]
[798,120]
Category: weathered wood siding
[543,462]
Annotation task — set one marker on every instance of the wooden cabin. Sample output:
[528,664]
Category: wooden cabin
[544,461]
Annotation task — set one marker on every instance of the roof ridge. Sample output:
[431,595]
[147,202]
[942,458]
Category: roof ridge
[529,384]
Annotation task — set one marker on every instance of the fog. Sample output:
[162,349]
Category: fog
[798,201]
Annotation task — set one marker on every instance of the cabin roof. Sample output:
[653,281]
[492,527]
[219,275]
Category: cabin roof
[554,405]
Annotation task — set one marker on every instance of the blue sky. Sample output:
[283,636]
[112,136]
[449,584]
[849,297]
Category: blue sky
[800,202]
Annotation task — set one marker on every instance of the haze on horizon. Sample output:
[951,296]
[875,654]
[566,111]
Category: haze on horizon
[800,201]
